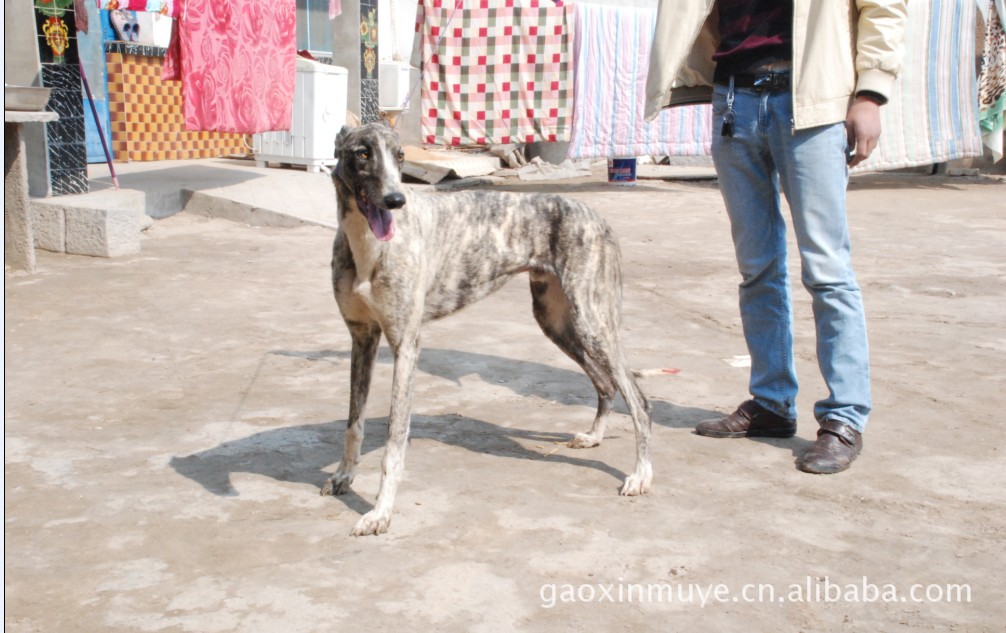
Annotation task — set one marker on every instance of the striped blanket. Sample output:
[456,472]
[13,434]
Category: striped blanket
[933,114]
[612,52]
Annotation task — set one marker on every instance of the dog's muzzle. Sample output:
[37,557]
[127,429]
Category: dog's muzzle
[394,200]
[380,219]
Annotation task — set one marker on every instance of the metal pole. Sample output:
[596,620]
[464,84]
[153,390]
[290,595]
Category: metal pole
[101,134]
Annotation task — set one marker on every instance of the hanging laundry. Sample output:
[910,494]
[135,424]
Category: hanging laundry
[125,25]
[932,115]
[237,63]
[334,9]
[495,71]
[612,54]
[164,7]
[80,16]
[992,81]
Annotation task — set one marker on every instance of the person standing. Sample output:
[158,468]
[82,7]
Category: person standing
[796,88]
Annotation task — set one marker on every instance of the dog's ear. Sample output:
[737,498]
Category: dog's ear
[340,138]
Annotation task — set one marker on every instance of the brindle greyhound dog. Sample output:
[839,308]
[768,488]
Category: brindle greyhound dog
[402,258]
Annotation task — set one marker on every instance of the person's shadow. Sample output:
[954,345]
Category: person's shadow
[302,453]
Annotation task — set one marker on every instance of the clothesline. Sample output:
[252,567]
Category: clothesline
[551,71]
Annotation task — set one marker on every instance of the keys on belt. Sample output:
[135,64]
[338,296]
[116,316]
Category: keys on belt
[761,82]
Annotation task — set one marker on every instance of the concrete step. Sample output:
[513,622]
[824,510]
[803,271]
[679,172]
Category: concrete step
[108,222]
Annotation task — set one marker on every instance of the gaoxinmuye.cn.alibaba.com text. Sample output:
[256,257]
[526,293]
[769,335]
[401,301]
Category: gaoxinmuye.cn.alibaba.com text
[812,589]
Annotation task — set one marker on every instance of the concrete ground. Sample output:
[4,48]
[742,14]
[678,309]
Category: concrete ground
[170,417]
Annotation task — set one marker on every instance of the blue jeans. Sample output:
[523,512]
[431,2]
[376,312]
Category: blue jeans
[764,155]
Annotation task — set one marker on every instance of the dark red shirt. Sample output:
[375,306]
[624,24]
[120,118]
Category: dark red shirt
[753,33]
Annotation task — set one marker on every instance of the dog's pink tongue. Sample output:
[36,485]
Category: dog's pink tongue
[382,223]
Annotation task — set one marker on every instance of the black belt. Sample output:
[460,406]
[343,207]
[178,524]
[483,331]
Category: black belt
[762,82]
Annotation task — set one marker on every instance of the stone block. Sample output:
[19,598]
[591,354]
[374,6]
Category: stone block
[48,223]
[100,224]
[102,232]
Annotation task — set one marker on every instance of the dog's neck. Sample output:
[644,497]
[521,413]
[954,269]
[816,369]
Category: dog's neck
[365,248]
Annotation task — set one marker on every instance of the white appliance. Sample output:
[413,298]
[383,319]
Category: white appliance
[319,112]
[393,85]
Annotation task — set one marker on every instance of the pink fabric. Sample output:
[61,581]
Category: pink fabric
[171,67]
[238,64]
[334,9]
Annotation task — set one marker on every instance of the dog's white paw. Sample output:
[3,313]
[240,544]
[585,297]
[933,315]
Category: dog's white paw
[584,440]
[372,523]
[635,485]
[337,484]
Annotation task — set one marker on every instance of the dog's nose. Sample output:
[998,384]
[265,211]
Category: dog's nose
[394,200]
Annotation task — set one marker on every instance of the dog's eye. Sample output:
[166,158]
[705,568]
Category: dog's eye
[401,156]
[363,154]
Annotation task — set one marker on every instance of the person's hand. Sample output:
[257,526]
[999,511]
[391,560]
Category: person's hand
[862,125]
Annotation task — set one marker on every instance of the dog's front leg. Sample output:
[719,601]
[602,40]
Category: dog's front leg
[366,339]
[377,520]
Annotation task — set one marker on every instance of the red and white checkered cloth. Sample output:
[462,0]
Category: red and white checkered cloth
[495,71]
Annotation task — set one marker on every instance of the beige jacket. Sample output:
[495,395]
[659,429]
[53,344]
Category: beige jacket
[839,48]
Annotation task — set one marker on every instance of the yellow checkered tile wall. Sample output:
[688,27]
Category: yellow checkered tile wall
[147,120]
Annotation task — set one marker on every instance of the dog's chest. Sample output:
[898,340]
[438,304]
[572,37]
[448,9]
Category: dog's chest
[388,274]
[366,251]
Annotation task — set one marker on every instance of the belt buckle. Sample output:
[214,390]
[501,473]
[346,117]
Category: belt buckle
[770,81]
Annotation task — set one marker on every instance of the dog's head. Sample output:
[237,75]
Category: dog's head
[370,172]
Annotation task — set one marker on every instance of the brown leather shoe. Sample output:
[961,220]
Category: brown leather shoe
[749,420]
[837,446]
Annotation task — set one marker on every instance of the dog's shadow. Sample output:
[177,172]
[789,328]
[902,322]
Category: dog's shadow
[304,454]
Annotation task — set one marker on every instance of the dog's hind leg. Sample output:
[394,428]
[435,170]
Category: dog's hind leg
[639,408]
[552,311]
[366,339]
[595,435]
[589,335]
[603,352]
